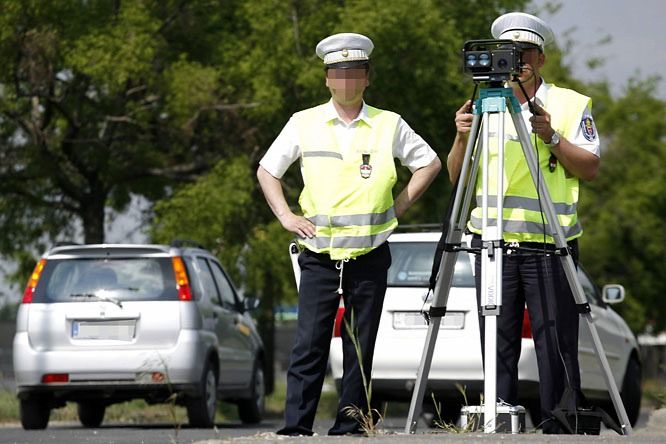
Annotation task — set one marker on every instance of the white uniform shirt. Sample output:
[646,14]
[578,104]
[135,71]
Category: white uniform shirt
[580,138]
[412,151]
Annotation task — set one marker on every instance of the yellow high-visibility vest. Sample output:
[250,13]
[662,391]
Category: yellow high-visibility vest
[522,212]
[352,214]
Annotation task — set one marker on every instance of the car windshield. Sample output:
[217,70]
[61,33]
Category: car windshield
[112,279]
[411,265]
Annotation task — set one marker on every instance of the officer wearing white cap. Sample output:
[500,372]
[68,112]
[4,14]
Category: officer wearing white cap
[346,152]
[568,150]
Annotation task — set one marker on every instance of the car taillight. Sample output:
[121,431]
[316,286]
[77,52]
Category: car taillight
[339,316]
[182,283]
[527,327]
[33,281]
[50,378]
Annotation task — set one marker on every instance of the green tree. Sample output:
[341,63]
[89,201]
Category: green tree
[100,100]
[625,206]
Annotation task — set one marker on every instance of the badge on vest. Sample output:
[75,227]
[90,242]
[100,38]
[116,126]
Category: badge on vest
[365,168]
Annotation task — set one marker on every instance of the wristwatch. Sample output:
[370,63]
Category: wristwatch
[554,140]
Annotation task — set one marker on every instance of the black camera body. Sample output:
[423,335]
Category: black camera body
[492,60]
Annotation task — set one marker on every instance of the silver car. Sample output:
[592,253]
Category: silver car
[457,357]
[102,324]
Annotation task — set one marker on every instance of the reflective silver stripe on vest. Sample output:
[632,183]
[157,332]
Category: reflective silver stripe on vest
[513,226]
[332,154]
[354,219]
[527,203]
[371,241]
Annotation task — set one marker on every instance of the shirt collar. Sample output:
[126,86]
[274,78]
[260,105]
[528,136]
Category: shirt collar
[331,114]
[540,96]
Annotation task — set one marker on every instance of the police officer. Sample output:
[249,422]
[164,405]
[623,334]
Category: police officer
[568,150]
[346,150]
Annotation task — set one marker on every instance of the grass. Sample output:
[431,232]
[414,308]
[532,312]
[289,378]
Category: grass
[139,412]
[654,393]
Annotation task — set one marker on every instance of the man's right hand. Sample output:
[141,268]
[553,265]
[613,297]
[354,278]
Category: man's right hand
[298,225]
[464,119]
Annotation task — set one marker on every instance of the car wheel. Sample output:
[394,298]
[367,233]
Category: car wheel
[251,410]
[34,412]
[630,393]
[201,408]
[533,407]
[91,413]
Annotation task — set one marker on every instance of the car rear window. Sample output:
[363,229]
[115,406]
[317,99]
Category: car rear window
[122,279]
[411,265]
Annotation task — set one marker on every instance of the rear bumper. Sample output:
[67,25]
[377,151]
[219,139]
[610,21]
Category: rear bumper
[111,369]
[112,393]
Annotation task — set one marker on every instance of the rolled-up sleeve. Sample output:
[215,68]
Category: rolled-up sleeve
[410,148]
[283,151]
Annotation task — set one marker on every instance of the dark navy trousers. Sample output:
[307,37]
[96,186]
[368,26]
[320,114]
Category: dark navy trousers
[538,281]
[364,287]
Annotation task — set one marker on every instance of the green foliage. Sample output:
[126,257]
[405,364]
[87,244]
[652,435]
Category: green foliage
[8,311]
[101,100]
[265,261]
[624,208]
[213,211]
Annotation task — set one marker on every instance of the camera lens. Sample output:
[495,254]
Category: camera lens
[471,60]
[502,63]
[484,59]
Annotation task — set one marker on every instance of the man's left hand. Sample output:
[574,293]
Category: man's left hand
[541,124]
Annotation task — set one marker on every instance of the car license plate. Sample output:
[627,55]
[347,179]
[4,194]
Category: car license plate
[454,320]
[120,330]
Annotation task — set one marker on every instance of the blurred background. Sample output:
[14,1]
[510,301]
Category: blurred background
[144,121]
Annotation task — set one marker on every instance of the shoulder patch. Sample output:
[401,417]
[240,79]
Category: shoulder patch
[588,128]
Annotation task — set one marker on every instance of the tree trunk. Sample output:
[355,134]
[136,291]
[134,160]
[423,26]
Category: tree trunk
[267,330]
[92,216]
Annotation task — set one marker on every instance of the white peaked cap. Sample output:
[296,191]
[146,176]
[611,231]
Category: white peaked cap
[522,27]
[344,47]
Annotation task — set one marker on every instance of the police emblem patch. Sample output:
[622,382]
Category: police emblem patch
[589,130]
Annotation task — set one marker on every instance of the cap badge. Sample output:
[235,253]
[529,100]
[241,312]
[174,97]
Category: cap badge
[345,53]
[516,35]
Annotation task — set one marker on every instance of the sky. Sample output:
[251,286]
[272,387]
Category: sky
[636,30]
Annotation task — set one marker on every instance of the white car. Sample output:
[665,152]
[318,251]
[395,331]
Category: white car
[457,356]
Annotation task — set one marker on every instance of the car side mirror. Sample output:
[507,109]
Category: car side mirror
[612,294]
[251,303]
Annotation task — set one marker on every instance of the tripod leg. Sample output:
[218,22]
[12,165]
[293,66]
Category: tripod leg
[491,261]
[570,269]
[445,275]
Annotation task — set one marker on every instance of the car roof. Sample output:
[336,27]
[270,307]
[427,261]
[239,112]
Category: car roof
[429,236]
[420,236]
[118,250]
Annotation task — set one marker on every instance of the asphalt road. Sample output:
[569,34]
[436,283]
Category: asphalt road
[651,428]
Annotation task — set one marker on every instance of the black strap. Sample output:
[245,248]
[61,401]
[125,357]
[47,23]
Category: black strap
[441,245]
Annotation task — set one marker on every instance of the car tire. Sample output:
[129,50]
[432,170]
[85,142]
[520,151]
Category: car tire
[251,410]
[91,413]
[34,412]
[201,408]
[533,407]
[631,393]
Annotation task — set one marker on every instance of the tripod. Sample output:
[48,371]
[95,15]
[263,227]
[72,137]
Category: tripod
[491,107]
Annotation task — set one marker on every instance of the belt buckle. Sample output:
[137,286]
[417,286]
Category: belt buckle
[511,246]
